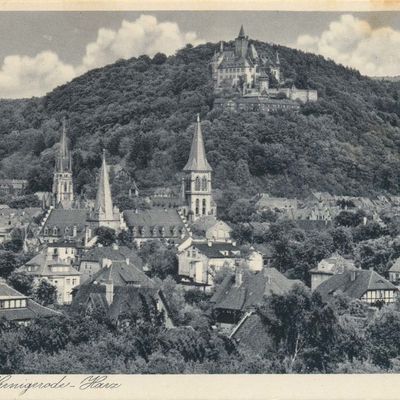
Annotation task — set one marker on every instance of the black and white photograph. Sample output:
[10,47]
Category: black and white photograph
[199,192]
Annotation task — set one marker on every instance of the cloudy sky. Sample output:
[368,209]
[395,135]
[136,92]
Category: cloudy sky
[41,50]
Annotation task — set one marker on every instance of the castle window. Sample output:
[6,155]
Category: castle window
[55,230]
[204,207]
[204,183]
[197,183]
[46,231]
[197,206]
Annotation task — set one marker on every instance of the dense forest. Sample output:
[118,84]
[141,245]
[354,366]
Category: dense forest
[142,110]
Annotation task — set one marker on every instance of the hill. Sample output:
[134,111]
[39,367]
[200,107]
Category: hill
[142,110]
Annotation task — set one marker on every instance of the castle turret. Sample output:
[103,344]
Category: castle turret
[241,44]
[196,186]
[63,194]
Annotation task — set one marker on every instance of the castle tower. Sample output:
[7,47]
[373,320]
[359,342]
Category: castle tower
[196,185]
[104,214]
[241,44]
[63,194]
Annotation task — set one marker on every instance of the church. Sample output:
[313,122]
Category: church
[67,220]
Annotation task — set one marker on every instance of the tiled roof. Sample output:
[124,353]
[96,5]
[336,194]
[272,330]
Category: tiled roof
[44,266]
[364,280]
[167,218]
[33,310]
[121,253]
[218,250]
[7,292]
[61,219]
[252,289]
[121,274]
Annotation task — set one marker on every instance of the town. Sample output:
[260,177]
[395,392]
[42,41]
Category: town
[181,270]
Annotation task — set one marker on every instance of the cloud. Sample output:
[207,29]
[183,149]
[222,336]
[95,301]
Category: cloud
[353,42]
[23,76]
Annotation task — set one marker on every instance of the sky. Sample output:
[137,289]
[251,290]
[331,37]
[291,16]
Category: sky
[42,50]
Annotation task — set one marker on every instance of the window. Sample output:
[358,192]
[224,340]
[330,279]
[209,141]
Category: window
[204,207]
[204,183]
[197,206]
[74,281]
[197,183]
[68,281]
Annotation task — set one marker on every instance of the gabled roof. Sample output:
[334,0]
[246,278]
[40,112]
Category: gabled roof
[197,157]
[335,264]
[364,280]
[121,274]
[31,311]
[252,290]
[161,217]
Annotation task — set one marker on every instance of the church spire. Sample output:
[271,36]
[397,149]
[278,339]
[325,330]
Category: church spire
[197,157]
[64,158]
[241,32]
[103,203]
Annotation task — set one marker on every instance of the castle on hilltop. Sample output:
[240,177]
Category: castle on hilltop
[255,78]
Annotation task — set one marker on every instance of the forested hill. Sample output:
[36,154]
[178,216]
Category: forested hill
[142,110]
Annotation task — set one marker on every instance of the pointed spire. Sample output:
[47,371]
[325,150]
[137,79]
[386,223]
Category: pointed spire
[221,46]
[241,32]
[197,158]
[64,159]
[103,199]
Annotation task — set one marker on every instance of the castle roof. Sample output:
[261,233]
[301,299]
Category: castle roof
[62,219]
[197,157]
[111,253]
[241,32]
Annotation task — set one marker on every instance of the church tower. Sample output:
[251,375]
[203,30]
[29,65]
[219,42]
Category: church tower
[63,194]
[241,44]
[196,185]
[104,214]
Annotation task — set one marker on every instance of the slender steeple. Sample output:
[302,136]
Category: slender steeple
[197,158]
[64,157]
[103,203]
[241,32]
[63,195]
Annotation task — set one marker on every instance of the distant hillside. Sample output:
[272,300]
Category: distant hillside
[141,111]
[387,78]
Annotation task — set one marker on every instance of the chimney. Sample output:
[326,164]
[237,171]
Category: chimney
[234,243]
[115,246]
[109,291]
[127,260]
[238,277]
[106,262]
[209,242]
[353,275]
[74,231]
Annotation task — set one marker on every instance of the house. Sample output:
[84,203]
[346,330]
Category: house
[284,205]
[201,260]
[96,258]
[394,272]
[13,187]
[163,224]
[242,291]
[18,308]
[336,264]
[120,289]
[12,218]
[365,285]
[212,229]
[55,265]
[267,253]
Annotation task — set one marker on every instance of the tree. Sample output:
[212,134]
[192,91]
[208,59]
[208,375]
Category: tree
[21,282]
[30,200]
[45,293]
[8,262]
[105,236]
[159,58]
